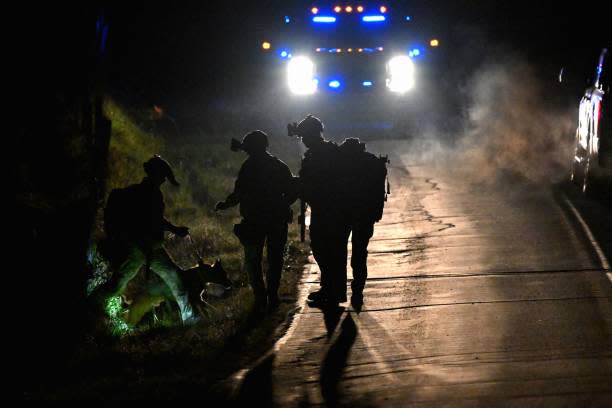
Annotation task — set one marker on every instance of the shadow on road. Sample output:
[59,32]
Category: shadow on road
[335,361]
[331,318]
[257,385]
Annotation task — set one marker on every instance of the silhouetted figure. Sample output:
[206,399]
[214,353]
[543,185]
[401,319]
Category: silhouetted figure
[364,191]
[134,224]
[321,187]
[265,189]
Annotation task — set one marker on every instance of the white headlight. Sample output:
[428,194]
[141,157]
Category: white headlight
[300,76]
[400,74]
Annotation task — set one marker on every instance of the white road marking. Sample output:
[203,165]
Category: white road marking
[600,254]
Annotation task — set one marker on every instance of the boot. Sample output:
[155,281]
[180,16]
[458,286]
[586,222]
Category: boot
[187,313]
[317,295]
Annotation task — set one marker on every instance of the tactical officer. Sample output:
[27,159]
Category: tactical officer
[321,187]
[134,224]
[364,192]
[265,189]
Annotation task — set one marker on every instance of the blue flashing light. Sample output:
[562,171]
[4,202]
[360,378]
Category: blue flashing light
[324,19]
[408,18]
[373,19]
[287,19]
[367,83]
[285,54]
[415,52]
[334,84]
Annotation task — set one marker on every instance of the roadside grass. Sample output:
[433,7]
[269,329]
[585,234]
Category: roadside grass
[160,347]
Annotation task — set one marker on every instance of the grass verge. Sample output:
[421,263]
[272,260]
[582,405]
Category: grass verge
[161,359]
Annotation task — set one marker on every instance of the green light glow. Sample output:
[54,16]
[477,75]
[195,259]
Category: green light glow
[114,309]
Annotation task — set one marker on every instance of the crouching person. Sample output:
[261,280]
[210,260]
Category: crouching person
[265,190]
[134,224]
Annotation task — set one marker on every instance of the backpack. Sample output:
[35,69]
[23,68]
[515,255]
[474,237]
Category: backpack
[366,183]
[120,213]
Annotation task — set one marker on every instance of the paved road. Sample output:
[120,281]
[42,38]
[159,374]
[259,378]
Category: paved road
[477,297]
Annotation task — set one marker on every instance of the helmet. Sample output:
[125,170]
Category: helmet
[156,166]
[255,141]
[310,126]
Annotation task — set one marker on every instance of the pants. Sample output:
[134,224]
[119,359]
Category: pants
[161,264]
[329,239]
[362,232]
[253,238]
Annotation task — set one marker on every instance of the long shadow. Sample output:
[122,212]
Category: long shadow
[335,361]
[257,386]
[331,318]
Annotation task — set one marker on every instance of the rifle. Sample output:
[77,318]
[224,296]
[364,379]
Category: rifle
[385,160]
[302,220]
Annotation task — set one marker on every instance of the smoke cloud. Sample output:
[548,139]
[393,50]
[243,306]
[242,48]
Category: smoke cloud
[512,127]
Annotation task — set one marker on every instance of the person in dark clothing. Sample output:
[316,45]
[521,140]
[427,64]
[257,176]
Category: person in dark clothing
[265,189]
[134,223]
[321,187]
[364,192]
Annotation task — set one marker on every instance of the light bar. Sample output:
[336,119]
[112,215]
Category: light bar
[373,19]
[324,19]
[340,50]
